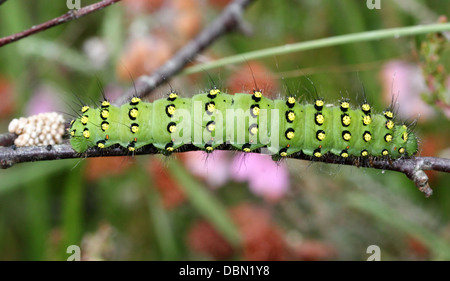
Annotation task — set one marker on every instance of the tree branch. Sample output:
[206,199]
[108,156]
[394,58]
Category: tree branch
[229,19]
[413,168]
[71,15]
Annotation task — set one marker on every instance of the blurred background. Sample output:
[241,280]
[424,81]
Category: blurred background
[224,206]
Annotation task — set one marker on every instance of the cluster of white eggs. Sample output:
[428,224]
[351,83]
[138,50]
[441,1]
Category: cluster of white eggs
[40,129]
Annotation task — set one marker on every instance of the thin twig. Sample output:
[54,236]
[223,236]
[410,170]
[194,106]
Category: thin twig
[413,168]
[229,19]
[71,15]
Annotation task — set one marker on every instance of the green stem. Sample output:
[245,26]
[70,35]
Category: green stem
[319,43]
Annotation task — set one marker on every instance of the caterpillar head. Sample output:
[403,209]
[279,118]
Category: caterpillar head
[411,144]
[406,142]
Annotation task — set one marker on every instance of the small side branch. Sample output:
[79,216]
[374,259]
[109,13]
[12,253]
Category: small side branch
[413,168]
[229,19]
[7,139]
[71,15]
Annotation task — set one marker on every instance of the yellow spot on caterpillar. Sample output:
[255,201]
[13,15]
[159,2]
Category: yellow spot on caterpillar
[385,152]
[390,124]
[211,127]
[290,135]
[84,109]
[291,116]
[317,154]
[101,145]
[246,149]
[321,136]
[130,148]
[211,107]
[347,136]
[346,120]
[283,154]
[345,105]
[365,107]
[209,148]
[401,150]
[389,114]
[364,153]
[134,112]
[105,126]
[72,133]
[71,122]
[84,119]
[367,137]
[367,120]
[173,95]
[254,130]
[320,119]
[405,136]
[214,92]
[135,100]
[257,94]
[291,100]
[388,137]
[86,134]
[170,148]
[255,111]
[344,154]
[319,103]
[172,128]
[404,127]
[105,103]
[104,113]
[171,109]
[134,129]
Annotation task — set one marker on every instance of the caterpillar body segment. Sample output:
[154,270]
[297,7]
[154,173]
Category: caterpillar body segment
[246,122]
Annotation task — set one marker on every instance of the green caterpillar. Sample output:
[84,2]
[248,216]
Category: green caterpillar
[247,122]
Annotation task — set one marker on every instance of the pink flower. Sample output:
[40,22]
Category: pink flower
[45,99]
[405,81]
[213,167]
[265,177]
